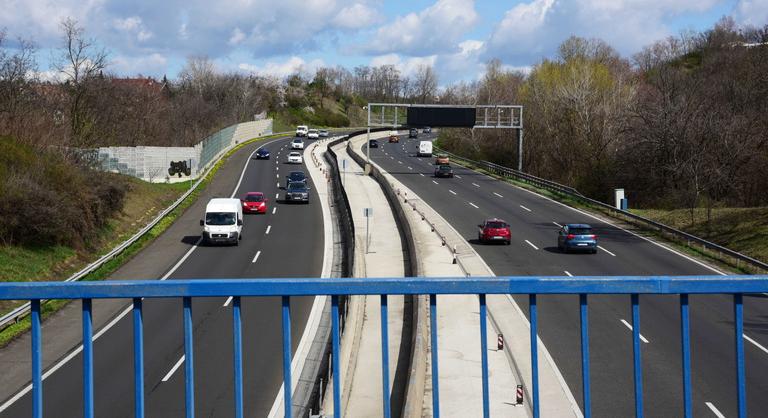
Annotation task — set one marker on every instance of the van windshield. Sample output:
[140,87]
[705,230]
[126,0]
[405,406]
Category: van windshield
[220,218]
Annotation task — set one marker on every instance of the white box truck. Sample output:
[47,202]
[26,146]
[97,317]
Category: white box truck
[223,221]
[425,149]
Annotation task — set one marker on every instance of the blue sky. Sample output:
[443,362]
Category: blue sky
[278,37]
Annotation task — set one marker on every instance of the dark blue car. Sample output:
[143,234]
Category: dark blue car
[262,154]
[577,237]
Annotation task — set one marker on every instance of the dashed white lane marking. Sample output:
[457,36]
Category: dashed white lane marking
[532,245]
[277,176]
[569,274]
[452,192]
[399,162]
[256,257]
[173,369]
[278,184]
[229,300]
[269,228]
[391,157]
[606,251]
[410,168]
[457,176]
[274,210]
[525,208]
[756,344]
[277,196]
[475,184]
[422,175]
[628,325]
[557,224]
[277,168]
[497,194]
[714,410]
[435,182]
[473,205]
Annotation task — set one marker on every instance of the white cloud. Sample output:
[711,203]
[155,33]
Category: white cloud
[356,16]
[148,65]
[283,69]
[133,25]
[237,37]
[436,29]
[752,12]
[407,67]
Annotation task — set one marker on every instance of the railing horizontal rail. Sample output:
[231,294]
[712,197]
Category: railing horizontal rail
[379,286]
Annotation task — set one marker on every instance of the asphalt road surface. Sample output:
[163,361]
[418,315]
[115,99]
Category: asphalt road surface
[470,197]
[287,241]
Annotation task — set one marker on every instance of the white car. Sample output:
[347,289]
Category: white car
[297,144]
[301,130]
[323,133]
[313,134]
[295,158]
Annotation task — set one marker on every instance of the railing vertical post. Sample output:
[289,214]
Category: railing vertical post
[584,311]
[484,355]
[138,359]
[37,361]
[686,349]
[738,314]
[189,360]
[534,354]
[385,357]
[638,364]
[335,359]
[433,343]
[87,359]
[287,384]
[237,337]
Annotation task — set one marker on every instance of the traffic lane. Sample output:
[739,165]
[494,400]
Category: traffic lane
[673,307]
[262,347]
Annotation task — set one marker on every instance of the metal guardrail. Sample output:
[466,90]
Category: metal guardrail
[571,192]
[287,288]
[16,314]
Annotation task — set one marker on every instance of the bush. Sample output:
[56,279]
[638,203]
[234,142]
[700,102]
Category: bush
[47,199]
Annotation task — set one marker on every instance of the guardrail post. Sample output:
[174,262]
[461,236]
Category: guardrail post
[534,354]
[189,360]
[686,352]
[484,355]
[587,396]
[738,314]
[138,359]
[287,384]
[385,357]
[237,337]
[433,343]
[37,360]
[638,364]
[335,358]
[87,359]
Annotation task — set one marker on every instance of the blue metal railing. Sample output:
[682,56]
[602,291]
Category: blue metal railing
[286,288]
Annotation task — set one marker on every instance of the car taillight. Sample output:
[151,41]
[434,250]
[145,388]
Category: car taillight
[571,236]
[593,236]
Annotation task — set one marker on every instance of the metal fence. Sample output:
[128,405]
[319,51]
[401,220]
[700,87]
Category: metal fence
[642,221]
[287,288]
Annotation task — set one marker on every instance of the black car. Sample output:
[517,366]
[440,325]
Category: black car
[297,192]
[413,133]
[373,143]
[444,170]
[262,154]
[427,130]
[295,177]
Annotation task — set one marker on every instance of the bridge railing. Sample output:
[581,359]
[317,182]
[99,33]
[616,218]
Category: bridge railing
[287,288]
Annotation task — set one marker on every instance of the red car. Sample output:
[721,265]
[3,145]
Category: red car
[254,202]
[494,230]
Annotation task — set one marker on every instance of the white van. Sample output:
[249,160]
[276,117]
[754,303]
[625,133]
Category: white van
[425,149]
[302,130]
[223,221]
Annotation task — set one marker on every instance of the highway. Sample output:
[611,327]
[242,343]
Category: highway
[287,241]
[470,197]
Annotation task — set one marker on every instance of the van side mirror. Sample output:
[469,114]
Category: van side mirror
[239,222]
[479,226]
[202,222]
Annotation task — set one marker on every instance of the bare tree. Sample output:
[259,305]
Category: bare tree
[16,72]
[425,81]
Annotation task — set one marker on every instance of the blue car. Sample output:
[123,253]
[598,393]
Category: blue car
[262,154]
[577,237]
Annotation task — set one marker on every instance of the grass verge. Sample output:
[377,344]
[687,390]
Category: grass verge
[36,262]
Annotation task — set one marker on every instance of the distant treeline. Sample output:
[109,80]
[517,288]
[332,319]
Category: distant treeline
[682,124]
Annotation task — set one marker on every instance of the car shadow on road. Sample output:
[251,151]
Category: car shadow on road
[190,239]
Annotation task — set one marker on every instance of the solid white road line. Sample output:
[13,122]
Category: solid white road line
[256,257]
[630,328]
[714,410]
[557,224]
[497,194]
[274,209]
[229,300]
[475,184]
[531,244]
[606,251]
[452,192]
[569,274]
[434,182]
[756,344]
[457,176]
[525,208]
[173,370]
[473,205]
[269,228]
